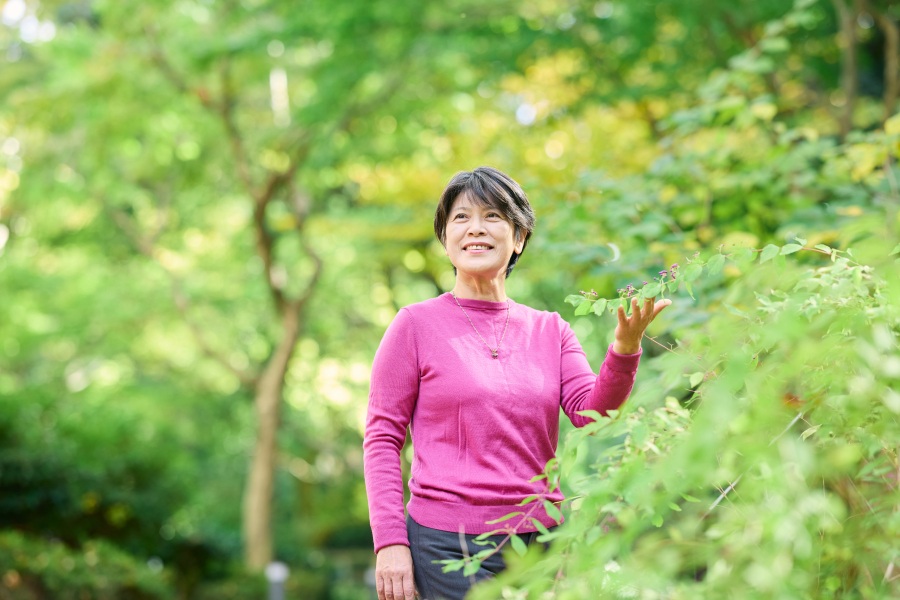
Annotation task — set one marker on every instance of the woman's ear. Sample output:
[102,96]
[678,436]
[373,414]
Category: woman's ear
[520,241]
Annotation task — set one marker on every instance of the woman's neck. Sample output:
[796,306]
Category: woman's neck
[469,288]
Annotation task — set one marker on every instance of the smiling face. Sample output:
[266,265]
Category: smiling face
[479,239]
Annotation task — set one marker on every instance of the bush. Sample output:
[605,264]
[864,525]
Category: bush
[36,568]
[769,471]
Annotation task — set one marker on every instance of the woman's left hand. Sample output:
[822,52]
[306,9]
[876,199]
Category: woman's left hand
[630,330]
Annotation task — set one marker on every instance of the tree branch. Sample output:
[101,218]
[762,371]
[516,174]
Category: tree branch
[146,246]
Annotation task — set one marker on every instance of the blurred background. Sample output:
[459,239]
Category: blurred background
[210,210]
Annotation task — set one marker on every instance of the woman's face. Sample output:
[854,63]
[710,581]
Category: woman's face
[479,239]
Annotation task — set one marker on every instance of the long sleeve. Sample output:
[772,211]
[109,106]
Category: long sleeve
[582,390]
[393,393]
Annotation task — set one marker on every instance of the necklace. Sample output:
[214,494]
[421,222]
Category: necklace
[494,351]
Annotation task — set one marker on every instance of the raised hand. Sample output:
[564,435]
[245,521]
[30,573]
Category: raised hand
[631,329]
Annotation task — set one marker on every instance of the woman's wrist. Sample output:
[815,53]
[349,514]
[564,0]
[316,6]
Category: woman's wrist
[620,347]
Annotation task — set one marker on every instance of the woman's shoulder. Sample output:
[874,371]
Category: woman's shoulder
[538,313]
[541,317]
[429,306]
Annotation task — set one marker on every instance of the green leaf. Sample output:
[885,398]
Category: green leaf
[697,378]
[651,290]
[505,517]
[518,545]
[672,285]
[810,431]
[896,250]
[657,520]
[791,248]
[540,526]
[599,307]
[689,288]
[768,253]
[452,565]
[553,511]
[575,299]
[744,255]
[583,308]
[690,498]
[824,248]
[674,507]
[471,567]
[691,272]
[530,499]
[801,241]
[715,264]
[735,311]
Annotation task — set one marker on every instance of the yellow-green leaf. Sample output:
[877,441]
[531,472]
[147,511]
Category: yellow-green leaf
[552,511]
[715,264]
[768,253]
[584,308]
[518,545]
[505,517]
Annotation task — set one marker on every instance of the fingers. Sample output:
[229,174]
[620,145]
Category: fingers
[409,587]
[645,313]
[660,306]
[396,587]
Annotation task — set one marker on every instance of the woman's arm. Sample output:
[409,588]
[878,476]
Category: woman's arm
[393,392]
[581,389]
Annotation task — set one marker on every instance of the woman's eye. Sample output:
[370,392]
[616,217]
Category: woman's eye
[460,216]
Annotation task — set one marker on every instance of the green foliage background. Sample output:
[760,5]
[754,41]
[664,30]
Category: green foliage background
[757,457]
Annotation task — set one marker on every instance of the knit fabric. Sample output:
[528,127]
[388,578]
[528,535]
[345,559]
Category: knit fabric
[481,427]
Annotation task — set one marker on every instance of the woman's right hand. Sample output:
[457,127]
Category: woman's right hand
[394,573]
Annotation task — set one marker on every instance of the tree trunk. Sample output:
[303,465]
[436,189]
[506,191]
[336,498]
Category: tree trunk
[847,38]
[258,495]
[891,61]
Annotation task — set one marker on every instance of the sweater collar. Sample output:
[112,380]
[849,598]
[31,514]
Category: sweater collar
[477,304]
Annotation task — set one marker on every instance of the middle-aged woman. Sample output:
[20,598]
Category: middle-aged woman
[480,380]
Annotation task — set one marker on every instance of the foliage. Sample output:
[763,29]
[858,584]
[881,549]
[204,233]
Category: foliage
[35,568]
[781,460]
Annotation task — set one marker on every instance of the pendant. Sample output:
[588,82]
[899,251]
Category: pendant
[494,353]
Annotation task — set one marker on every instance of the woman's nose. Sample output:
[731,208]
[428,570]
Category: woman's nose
[476,226]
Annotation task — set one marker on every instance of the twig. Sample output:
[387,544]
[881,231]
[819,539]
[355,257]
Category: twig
[788,428]
[721,497]
[465,550]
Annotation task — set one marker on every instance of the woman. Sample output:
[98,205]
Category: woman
[480,379]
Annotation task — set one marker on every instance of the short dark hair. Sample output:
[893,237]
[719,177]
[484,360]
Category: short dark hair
[487,186]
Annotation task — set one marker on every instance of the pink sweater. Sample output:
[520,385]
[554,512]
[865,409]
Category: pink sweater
[481,427]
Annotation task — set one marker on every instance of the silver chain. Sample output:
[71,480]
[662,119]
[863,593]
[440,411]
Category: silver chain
[494,351]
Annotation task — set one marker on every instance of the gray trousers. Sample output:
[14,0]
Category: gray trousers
[428,545]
